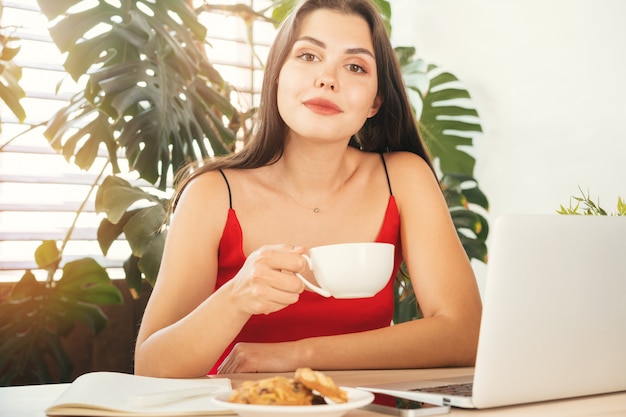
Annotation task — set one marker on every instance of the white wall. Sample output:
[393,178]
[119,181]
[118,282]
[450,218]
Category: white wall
[548,78]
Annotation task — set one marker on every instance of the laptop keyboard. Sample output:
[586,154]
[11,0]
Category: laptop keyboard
[464,390]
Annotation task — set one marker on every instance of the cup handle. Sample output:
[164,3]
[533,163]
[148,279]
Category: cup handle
[308,284]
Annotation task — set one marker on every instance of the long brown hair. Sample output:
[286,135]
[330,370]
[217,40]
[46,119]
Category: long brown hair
[393,128]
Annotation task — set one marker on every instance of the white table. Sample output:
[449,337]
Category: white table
[32,400]
[28,400]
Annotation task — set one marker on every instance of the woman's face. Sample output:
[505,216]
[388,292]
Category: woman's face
[328,85]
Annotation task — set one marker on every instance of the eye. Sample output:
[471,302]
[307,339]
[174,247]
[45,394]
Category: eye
[355,68]
[305,56]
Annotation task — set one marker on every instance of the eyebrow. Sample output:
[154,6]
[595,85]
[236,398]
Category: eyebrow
[323,45]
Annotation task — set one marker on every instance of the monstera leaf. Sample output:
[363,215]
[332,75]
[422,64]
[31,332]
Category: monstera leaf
[149,87]
[447,120]
[462,193]
[141,217]
[37,315]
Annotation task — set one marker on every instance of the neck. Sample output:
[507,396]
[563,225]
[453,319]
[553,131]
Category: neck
[313,180]
[315,163]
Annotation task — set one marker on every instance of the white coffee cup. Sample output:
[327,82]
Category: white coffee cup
[350,270]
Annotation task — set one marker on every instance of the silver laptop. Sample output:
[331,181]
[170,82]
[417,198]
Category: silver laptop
[554,315]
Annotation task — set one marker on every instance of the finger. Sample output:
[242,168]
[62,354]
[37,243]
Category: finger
[266,283]
[277,267]
[283,257]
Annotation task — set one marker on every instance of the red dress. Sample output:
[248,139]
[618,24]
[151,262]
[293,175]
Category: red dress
[313,315]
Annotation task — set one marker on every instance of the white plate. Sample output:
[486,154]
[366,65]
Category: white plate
[356,398]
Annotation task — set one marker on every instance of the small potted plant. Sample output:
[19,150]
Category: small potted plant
[583,205]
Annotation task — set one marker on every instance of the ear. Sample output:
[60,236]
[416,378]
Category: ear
[378,101]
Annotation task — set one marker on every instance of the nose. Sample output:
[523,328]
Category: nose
[326,81]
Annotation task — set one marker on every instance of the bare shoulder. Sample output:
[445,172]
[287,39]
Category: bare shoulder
[408,159]
[206,196]
[206,186]
[407,169]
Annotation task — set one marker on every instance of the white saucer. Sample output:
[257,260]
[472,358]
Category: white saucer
[356,398]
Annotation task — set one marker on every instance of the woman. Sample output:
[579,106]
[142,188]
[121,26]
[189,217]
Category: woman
[336,158]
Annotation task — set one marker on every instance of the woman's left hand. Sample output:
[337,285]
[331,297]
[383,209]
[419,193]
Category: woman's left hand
[259,357]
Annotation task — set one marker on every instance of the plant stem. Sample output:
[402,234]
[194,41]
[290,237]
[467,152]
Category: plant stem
[33,127]
[68,235]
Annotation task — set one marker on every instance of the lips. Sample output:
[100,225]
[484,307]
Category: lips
[322,106]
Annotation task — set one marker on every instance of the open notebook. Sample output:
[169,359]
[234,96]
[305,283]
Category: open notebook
[120,394]
[554,316]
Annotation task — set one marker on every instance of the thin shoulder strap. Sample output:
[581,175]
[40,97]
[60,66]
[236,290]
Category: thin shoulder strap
[230,197]
[386,173]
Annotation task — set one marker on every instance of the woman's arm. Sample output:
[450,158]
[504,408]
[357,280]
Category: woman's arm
[186,325]
[444,283]
[440,270]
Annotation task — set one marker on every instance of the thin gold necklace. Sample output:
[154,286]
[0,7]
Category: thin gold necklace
[319,208]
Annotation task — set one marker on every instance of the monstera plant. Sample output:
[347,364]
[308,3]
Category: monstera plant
[152,94]
[36,315]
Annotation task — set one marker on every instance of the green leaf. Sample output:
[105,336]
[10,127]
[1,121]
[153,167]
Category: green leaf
[476,196]
[85,281]
[406,307]
[474,248]
[47,255]
[64,135]
[589,207]
[108,232]
[144,228]
[281,9]
[116,195]
[145,225]
[133,273]
[54,8]
[470,222]
[621,207]
[462,190]
[72,28]
[447,120]
[26,287]
[151,91]
[150,262]
[35,316]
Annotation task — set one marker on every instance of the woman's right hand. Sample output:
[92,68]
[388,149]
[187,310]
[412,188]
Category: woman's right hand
[266,283]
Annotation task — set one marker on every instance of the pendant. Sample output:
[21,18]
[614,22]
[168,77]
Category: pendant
[316,210]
